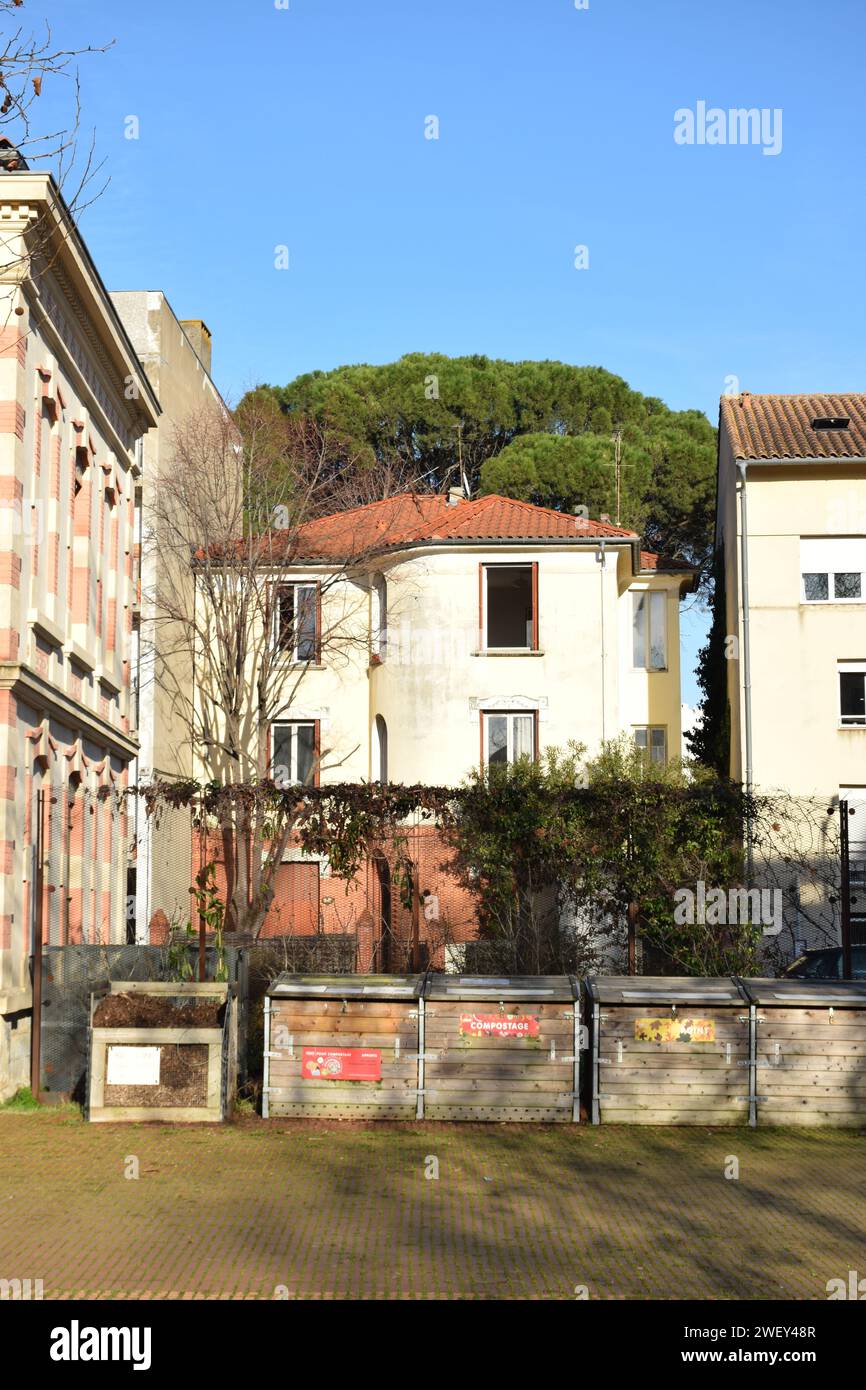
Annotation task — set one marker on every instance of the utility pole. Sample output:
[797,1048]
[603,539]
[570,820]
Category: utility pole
[617,456]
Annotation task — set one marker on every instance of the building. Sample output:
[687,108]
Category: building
[434,635]
[74,408]
[176,356]
[791,532]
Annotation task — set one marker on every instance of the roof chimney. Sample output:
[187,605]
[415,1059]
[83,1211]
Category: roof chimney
[199,336]
[455,496]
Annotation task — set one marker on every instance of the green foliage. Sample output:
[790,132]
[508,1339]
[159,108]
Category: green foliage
[23,1099]
[540,431]
[710,740]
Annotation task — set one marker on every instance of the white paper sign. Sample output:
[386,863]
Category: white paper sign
[133,1066]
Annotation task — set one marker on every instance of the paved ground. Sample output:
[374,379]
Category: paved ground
[334,1211]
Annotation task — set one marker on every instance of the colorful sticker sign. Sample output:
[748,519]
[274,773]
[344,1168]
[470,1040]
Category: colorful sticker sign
[498,1026]
[672,1030]
[341,1064]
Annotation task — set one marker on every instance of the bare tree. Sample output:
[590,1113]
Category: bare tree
[249,500]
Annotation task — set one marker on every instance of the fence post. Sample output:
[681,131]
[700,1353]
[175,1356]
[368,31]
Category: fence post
[845,888]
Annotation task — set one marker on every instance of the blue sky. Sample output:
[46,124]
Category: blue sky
[261,127]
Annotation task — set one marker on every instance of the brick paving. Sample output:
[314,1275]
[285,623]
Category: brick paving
[259,1210]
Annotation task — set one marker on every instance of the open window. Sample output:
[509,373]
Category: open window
[295,753]
[833,569]
[297,623]
[505,737]
[852,694]
[509,607]
[649,630]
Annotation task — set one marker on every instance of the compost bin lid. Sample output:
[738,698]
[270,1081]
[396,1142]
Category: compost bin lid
[838,994]
[346,986]
[537,988]
[634,990]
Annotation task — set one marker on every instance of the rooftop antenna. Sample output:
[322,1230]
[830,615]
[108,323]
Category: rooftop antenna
[464,481]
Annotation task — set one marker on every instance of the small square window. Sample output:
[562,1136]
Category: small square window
[846,585]
[816,587]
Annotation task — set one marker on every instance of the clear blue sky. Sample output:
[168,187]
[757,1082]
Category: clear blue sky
[305,127]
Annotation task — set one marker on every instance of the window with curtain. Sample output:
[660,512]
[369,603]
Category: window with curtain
[649,630]
[508,737]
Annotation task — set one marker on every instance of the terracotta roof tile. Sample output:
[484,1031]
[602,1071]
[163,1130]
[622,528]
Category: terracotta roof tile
[781,427]
[410,518]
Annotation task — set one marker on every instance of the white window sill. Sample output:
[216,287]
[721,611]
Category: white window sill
[852,728]
[507,651]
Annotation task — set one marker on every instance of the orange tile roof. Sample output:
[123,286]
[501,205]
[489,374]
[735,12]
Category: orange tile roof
[781,427]
[418,518]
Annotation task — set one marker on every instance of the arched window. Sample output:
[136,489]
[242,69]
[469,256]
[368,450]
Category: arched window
[380,617]
[380,750]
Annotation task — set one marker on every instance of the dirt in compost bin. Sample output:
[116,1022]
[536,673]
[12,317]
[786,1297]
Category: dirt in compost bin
[182,1080]
[153,1011]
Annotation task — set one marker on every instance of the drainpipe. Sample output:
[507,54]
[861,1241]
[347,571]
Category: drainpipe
[742,467]
[602,561]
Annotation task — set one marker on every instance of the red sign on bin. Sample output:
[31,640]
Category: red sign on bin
[498,1026]
[341,1064]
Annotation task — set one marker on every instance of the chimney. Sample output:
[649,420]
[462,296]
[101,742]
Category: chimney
[455,496]
[200,339]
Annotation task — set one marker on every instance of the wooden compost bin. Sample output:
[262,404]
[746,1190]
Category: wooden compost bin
[810,1051]
[669,1051]
[131,1068]
[501,1049]
[342,1047]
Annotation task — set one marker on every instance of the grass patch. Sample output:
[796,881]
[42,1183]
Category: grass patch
[23,1099]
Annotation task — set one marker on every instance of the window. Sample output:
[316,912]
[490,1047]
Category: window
[852,694]
[649,630]
[833,569]
[380,749]
[296,621]
[509,607]
[380,618]
[295,753]
[506,737]
[653,740]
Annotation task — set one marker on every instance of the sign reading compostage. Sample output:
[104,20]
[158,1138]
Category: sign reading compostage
[341,1064]
[133,1066]
[498,1026]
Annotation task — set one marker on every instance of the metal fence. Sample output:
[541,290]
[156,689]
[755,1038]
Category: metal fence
[72,974]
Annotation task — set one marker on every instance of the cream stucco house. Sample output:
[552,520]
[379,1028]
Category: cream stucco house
[433,635]
[791,525]
[176,355]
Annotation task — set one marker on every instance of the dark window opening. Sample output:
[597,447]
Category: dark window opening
[297,623]
[852,690]
[509,606]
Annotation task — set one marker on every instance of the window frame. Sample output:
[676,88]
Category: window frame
[850,668]
[510,715]
[291,654]
[294,725]
[832,596]
[649,730]
[483,567]
[647,597]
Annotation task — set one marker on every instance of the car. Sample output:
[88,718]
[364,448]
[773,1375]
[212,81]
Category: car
[826,964]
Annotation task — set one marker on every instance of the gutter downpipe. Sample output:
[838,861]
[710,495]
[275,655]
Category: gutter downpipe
[602,560]
[742,467]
